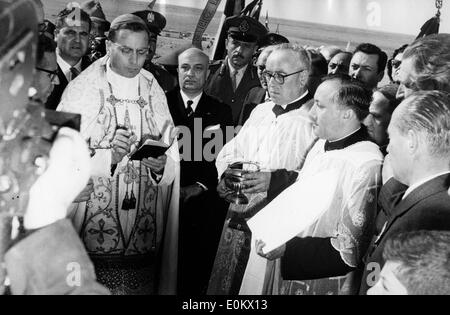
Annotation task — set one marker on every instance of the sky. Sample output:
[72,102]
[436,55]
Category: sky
[397,16]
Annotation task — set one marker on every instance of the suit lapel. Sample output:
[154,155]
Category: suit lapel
[181,108]
[428,189]
[202,108]
[62,78]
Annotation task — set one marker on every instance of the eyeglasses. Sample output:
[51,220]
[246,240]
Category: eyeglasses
[261,68]
[127,51]
[279,78]
[396,63]
[52,74]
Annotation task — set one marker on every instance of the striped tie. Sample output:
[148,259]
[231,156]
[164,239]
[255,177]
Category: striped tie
[73,73]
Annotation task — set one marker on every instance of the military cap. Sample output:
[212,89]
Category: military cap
[272,39]
[127,19]
[95,11]
[155,21]
[244,28]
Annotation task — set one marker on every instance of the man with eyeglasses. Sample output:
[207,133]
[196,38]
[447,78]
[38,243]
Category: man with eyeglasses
[72,36]
[278,135]
[368,65]
[130,224]
[46,76]
[231,79]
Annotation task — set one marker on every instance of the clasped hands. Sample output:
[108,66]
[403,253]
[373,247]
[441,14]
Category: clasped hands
[253,183]
[121,146]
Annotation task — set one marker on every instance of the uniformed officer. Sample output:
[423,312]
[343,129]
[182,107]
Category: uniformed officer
[100,25]
[156,22]
[231,79]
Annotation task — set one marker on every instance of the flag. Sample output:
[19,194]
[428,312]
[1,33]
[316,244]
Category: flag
[206,17]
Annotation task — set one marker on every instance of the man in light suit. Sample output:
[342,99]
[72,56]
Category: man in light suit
[202,211]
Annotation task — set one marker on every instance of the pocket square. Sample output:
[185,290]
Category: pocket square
[212,128]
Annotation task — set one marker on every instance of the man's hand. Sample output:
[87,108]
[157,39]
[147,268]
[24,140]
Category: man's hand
[222,189]
[256,182]
[121,145]
[275,254]
[67,174]
[156,165]
[85,195]
[188,192]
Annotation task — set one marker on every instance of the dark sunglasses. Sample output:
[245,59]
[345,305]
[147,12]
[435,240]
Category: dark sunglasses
[396,63]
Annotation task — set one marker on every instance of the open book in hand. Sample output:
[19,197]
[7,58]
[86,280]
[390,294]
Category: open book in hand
[150,148]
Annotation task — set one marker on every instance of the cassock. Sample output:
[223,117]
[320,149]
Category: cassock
[220,86]
[423,207]
[130,224]
[201,217]
[323,254]
[275,138]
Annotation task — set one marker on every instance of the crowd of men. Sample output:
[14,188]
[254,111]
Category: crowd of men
[378,217]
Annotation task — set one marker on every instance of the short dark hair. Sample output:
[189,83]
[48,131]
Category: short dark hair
[45,44]
[60,21]
[390,93]
[132,26]
[424,258]
[352,94]
[389,65]
[371,49]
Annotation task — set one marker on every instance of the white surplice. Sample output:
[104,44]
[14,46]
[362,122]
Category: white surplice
[346,215]
[273,142]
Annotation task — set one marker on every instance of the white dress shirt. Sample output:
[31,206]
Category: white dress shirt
[239,75]
[65,67]
[195,100]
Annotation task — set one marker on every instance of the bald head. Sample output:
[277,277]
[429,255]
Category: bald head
[193,52]
[192,71]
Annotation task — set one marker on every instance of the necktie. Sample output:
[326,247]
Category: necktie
[278,110]
[189,110]
[73,73]
[234,79]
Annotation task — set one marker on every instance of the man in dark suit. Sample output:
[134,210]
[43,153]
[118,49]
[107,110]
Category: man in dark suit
[72,38]
[231,79]
[419,156]
[199,117]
